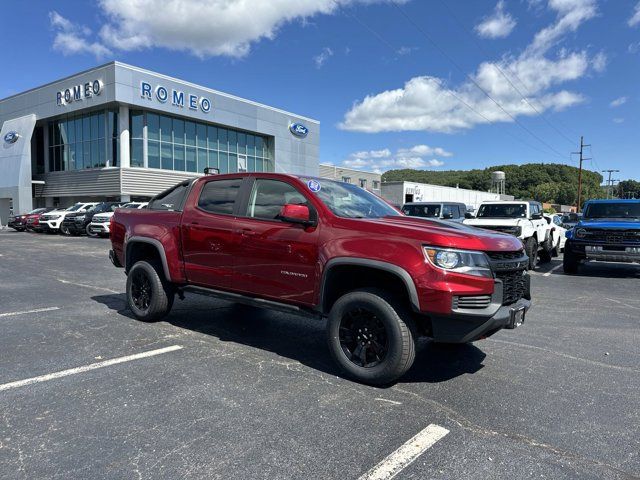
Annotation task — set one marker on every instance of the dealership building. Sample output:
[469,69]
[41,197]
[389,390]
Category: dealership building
[119,132]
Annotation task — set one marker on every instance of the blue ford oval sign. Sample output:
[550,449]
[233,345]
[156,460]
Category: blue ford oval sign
[11,137]
[298,130]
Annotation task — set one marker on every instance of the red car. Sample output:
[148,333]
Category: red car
[32,219]
[326,249]
[19,222]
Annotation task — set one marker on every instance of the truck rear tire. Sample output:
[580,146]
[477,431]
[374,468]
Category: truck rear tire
[149,296]
[531,247]
[371,336]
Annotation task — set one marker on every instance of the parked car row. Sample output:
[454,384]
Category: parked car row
[90,218]
[542,235]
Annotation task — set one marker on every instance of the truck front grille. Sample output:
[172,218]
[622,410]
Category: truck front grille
[611,236]
[514,285]
[505,255]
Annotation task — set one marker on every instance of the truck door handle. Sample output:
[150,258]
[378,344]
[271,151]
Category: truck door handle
[246,232]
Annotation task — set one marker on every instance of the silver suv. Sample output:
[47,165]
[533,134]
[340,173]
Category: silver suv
[452,211]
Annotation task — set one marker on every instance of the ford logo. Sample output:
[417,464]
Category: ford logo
[298,130]
[11,137]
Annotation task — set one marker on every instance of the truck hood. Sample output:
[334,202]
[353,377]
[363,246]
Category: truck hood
[609,223]
[448,234]
[498,222]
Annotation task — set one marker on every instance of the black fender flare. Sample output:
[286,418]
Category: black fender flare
[131,241]
[399,272]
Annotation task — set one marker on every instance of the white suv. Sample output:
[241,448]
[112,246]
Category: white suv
[99,225]
[51,221]
[522,219]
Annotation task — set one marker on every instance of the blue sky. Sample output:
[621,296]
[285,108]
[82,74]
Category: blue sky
[394,83]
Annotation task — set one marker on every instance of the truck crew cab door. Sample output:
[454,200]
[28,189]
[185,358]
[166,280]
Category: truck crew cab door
[208,233]
[275,259]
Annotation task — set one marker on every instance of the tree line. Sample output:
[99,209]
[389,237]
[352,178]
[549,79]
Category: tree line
[544,182]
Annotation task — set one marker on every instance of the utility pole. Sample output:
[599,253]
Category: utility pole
[609,181]
[582,159]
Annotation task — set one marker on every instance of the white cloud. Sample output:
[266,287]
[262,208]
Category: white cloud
[618,120]
[634,47]
[635,18]
[322,57]
[429,103]
[618,101]
[71,38]
[404,50]
[498,25]
[382,160]
[202,27]
[599,62]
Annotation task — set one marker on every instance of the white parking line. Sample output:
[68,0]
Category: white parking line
[24,312]
[86,368]
[86,286]
[548,274]
[406,454]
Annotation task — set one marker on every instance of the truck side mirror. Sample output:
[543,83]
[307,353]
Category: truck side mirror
[299,214]
[469,215]
[447,216]
[536,216]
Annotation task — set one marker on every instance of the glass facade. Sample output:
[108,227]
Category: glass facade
[89,140]
[177,144]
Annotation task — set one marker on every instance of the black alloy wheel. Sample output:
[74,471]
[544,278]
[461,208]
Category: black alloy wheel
[363,338]
[141,290]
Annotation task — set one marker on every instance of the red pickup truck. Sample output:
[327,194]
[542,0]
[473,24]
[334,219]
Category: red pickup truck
[327,249]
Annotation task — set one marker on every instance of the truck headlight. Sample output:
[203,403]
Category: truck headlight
[460,261]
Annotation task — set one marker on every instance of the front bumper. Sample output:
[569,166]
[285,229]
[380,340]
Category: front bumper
[612,254]
[101,228]
[464,328]
[16,224]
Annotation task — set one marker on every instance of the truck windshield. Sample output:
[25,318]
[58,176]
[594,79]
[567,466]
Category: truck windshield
[498,210]
[613,210]
[422,210]
[348,200]
[75,207]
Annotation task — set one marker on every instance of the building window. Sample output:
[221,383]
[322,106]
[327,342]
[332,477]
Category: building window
[176,144]
[376,184]
[346,179]
[78,142]
[363,183]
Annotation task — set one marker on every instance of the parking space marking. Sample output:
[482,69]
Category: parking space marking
[24,312]
[67,282]
[548,274]
[87,368]
[406,454]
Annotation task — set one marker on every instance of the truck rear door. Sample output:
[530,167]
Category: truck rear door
[208,225]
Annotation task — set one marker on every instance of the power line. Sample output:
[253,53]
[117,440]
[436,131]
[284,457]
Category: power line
[497,67]
[462,101]
[472,80]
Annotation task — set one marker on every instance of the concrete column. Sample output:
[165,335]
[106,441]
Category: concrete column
[123,123]
[145,146]
[125,198]
[45,137]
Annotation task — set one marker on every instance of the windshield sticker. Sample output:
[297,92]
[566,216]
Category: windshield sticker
[314,185]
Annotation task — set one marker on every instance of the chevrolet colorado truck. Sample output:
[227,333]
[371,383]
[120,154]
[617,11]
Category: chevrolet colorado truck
[326,249]
[522,219]
[608,231]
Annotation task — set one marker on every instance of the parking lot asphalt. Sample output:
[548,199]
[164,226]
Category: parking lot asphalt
[224,391]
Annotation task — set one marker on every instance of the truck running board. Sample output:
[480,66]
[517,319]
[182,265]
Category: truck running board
[254,302]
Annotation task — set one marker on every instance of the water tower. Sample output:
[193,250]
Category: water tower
[498,181]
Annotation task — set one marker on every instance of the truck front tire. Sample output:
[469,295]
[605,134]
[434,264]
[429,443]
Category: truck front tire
[149,296]
[531,247]
[371,336]
[570,261]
